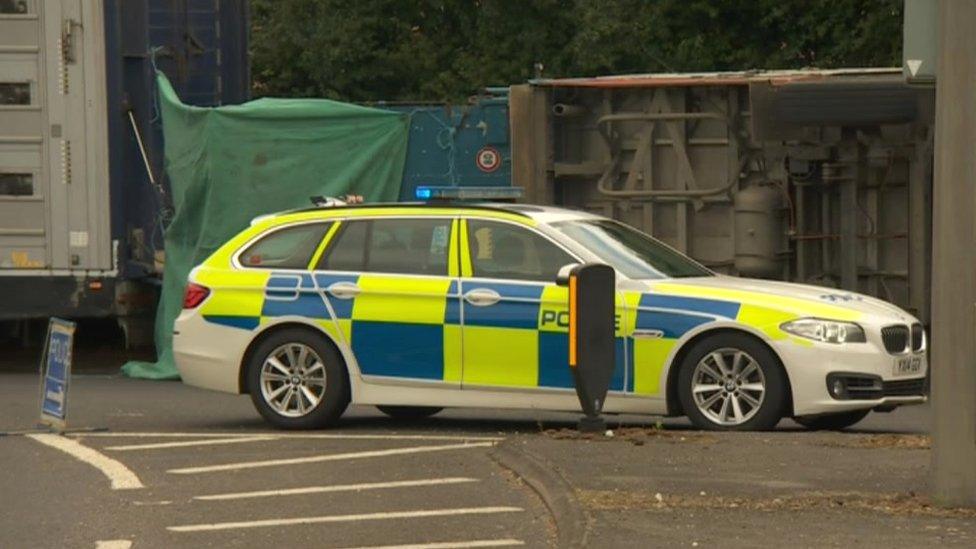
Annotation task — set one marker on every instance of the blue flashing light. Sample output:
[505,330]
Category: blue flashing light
[468,193]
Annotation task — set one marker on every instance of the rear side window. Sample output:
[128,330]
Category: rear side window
[500,250]
[399,246]
[289,248]
[347,250]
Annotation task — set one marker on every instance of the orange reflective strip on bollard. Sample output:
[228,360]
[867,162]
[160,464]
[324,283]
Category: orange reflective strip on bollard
[572,321]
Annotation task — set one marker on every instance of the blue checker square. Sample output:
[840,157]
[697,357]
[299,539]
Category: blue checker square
[554,368]
[554,361]
[234,321]
[399,349]
[674,325]
[518,308]
[714,307]
[341,307]
[308,304]
[620,365]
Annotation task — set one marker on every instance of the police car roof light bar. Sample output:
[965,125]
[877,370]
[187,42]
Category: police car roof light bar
[454,193]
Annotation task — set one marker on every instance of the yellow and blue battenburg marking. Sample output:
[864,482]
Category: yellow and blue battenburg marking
[239,301]
[411,327]
[521,341]
[420,327]
[672,317]
[398,326]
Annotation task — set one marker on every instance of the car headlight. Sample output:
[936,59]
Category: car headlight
[827,331]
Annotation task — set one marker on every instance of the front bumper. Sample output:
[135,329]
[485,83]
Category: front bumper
[809,365]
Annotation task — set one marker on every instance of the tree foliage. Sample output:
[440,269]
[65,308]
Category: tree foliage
[432,50]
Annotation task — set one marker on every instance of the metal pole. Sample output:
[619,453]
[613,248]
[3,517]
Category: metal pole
[919,223]
[953,348]
[849,216]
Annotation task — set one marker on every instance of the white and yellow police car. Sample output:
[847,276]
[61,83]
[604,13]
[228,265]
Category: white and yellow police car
[414,307]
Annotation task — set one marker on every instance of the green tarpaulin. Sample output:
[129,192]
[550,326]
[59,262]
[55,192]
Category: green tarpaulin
[227,165]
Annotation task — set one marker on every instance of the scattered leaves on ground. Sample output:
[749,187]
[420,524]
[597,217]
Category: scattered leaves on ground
[634,435]
[909,504]
[874,442]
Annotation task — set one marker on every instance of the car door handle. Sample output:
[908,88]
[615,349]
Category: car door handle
[641,333]
[344,290]
[482,297]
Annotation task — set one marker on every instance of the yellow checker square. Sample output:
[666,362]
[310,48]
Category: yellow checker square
[554,310]
[235,293]
[626,313]
[401,299]
[452,353]
[650,356]
[338,330]
[765,320]
[514,364]
[345,327]
[797,305]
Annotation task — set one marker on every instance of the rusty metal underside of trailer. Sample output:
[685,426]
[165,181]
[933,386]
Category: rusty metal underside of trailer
[822,177]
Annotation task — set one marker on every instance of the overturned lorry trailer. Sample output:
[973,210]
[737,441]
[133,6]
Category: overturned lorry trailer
[81,174]
[812,176]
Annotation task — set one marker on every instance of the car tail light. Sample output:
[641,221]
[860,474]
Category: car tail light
[194,295]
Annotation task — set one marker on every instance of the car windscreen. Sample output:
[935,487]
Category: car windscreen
[630,251]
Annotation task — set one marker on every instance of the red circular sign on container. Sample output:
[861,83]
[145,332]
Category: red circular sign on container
[488,159]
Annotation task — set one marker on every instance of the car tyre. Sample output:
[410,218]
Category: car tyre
[832,422]
[409,412]
[313,369]
[747,391]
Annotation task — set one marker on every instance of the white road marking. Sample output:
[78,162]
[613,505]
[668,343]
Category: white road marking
[342,518]
[450,544]
[327,457]
[122,478]
[181,444]
[280,434]
[338,488]
[113,544]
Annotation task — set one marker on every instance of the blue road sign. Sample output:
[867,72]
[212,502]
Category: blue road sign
[56,372]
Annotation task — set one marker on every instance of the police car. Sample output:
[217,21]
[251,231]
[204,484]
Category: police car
[417,307]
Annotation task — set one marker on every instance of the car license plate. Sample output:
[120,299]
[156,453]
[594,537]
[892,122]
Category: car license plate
[907,366]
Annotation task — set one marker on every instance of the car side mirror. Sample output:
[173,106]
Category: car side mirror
[562,277]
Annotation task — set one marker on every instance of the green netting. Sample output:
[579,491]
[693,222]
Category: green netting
[227,165]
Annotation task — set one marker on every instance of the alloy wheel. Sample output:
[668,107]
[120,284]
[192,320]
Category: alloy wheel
[728,386]
[293,379]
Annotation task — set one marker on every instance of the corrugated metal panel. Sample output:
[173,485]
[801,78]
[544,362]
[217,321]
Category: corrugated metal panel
[708,78]
[53,144]
[73,185]
[851,150]
[445,141]
[201,45]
